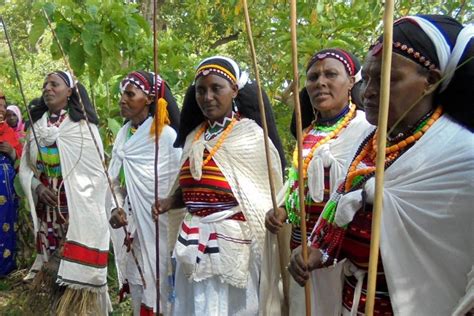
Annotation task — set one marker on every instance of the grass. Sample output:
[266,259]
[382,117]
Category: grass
[13,290]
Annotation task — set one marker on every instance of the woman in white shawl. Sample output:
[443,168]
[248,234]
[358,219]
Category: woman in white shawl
[332,126]
[65,187]
[132,169]
[427,240]
[224,186]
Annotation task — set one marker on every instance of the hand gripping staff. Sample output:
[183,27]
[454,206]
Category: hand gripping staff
[104,166]
[265,133]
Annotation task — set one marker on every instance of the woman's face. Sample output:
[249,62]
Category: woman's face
[134,104]
[408,82]
[55,93]
[214,96]
[11,118]
[328,86]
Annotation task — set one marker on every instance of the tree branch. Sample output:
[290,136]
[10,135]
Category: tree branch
[225,40]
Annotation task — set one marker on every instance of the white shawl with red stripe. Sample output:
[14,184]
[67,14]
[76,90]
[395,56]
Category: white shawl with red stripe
[84,258]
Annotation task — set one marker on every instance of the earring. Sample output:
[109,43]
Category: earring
[315,115]
[350,97]
[234,106]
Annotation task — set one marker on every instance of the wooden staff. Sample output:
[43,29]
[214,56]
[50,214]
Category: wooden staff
[20,86]
[380,162]
[102,160]
[157,146]
[265,133]
[299,139]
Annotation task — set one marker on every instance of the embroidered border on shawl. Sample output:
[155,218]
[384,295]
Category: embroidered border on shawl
[81,254]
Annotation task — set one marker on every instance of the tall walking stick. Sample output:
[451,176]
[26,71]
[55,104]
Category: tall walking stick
[157,146]
[265,132]
[380,162]
[299,137]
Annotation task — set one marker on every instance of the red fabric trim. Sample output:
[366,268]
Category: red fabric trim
[188,230]
[8,135]
[84,255]
[146,311]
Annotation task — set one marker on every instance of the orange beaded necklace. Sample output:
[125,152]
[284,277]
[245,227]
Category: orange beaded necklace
[343,123]
[221,139]
[392,152]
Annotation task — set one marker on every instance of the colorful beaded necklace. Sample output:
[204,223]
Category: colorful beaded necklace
[292,203]
[333,131]
[328,236]
[221,139]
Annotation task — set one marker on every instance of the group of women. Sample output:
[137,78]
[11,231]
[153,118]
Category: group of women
[206,183]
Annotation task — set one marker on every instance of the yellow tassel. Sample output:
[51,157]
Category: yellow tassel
[161,117]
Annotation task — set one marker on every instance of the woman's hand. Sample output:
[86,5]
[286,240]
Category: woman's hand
[46,195]
[298,269]
[6,148]
[118,218]
[163,206]
[274,219]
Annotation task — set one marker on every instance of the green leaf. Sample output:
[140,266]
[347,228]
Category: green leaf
[37,29]
[77,58]
[113,126]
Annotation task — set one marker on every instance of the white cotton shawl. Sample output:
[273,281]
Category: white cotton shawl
[241,158]
[85,185]
[137,155]
[335,155]
[427,228]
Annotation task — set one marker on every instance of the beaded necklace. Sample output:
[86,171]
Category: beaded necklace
[327,236]
[221,139]
[292,204]
[216,127]
[333,130]
[355,175]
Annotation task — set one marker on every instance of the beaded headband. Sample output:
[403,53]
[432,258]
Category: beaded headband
[207,69]
[406,51]
[65,76]
[342,57]
[139,81]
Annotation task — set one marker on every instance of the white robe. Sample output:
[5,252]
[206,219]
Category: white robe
[85,185]
[427,228]
[137,156]
[241,158]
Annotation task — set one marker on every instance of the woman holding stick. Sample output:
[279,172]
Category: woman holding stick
[223,184]
[65,187]
[132,170]
[332,126]
[427,204]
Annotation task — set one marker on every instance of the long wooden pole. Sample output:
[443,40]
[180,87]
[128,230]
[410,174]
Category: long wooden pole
[299,138]
[265,133]
[157,222]
[380,162]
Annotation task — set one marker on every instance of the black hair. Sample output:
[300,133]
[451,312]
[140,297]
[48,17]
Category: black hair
[73,106]
[457,98]
[247,103]
[307,112]
[173,110]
